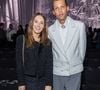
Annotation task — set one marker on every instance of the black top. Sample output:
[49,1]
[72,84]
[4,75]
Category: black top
[38,61]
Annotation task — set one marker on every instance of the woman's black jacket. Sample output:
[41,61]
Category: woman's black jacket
[38,61]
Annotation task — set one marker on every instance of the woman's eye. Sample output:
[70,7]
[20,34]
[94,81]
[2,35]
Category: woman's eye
[35,21]
[42,23]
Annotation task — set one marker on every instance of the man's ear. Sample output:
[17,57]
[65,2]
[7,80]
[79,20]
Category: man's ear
[53,12]
[67,8]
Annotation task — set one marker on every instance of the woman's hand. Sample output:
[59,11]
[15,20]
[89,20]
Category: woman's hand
[48,88]
[21,87]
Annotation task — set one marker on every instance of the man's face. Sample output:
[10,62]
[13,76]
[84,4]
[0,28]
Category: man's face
[60,9]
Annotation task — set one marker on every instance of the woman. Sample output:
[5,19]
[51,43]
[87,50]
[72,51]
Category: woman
[35,72]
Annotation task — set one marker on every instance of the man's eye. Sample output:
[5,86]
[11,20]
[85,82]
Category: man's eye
[56,8]
[62,6]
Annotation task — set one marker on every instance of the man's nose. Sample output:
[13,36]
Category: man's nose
[60,9]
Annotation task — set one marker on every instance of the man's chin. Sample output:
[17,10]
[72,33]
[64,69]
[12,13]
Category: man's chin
[62,19]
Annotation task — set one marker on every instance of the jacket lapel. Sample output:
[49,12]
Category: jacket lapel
[70,34]
[56,39]
[55,35]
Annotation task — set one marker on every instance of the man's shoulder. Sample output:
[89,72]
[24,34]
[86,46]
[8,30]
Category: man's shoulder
[79,22]
[76,22]
[51,27]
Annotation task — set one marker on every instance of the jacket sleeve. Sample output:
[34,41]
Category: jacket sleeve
[19,62]
[49,65]
[82,41]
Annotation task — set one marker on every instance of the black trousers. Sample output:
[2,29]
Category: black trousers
[33,83]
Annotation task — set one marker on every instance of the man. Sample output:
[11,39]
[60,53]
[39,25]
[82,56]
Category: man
[10,33]
[69,45]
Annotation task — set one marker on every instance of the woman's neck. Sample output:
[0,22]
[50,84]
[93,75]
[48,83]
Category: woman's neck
[36,37]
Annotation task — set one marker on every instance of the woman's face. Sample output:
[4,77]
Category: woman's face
[38,24]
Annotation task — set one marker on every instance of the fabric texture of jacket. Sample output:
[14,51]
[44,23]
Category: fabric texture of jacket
[68,57]
[37,61]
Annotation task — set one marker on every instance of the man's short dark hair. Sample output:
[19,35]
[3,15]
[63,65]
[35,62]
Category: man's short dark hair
[66,1]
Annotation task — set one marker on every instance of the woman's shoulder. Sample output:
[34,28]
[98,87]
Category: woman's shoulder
[20,37]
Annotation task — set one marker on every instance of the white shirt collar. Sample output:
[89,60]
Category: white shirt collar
[65,24]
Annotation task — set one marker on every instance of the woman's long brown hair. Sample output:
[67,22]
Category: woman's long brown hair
[29,36]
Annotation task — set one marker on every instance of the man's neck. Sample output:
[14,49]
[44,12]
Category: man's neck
[62,21]
[35,35]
